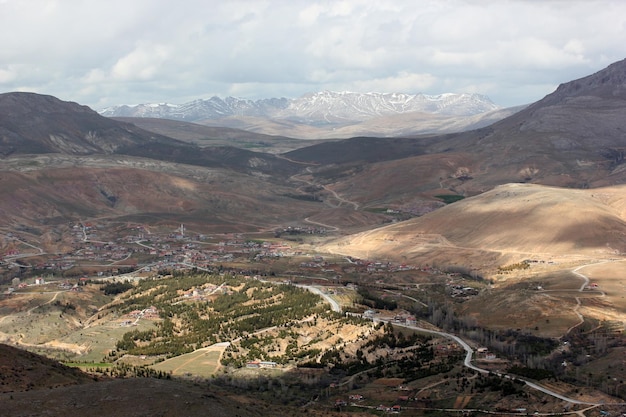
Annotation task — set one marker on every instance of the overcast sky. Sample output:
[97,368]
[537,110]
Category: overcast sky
[106,52]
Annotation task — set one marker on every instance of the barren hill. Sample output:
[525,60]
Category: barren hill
[48,191]
[509,223]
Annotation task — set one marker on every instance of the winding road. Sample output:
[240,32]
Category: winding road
[584,285]
[469,352]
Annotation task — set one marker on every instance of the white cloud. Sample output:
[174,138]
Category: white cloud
[7,75]
[102,53]
[143,63]
[402,82]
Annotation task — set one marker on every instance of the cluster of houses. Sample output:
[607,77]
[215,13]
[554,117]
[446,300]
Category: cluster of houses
[460,291]
[66,285]
[405,318]
[261,364]
[300,230]
[169,250]
[195,294]
[483,353]
[177,250]
[132,318]
[402,317]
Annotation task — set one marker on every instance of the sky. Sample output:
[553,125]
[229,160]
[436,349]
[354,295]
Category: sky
[102,53]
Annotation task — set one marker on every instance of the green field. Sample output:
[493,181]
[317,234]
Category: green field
[202,362]
[87,365]
[101,339]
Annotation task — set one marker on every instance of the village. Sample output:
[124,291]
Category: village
[98,257]
[97,252]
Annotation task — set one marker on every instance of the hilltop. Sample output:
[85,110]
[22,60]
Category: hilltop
[508,224]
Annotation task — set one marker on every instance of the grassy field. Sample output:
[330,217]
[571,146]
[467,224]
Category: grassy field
[202,362]
[87,366]
[101,339]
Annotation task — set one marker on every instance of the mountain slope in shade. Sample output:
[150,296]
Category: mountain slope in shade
[22,371]
[32,385]
[141,397]
[39,124]
[34,123]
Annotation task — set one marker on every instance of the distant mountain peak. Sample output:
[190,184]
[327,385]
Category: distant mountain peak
[321,107]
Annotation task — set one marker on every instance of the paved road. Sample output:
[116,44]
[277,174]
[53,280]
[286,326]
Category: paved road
[468,363]
[334,305]
[469,352]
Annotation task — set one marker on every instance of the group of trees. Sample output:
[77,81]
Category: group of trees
[513,267]
[245,307]
[532,351]
[373,301]
[114,288]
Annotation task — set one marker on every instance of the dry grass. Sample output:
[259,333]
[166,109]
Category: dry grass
[559,229]
[202,362]
[512,222]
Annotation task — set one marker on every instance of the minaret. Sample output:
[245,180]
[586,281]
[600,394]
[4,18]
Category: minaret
[182,230]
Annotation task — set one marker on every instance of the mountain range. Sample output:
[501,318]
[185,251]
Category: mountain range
[329,114]
[571,138]
[539,192]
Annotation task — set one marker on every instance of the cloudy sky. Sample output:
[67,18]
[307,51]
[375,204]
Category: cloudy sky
[101,53]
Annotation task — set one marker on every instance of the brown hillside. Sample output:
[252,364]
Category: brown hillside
[23,371]
[512,221]
[211,198]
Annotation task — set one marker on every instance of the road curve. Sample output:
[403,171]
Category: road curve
[469,352]
[468,363]
[334,305]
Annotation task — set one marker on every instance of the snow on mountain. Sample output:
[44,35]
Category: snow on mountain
[325,107]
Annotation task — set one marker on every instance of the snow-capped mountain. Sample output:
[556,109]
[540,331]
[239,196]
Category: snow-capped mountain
[334,106]
[326,107]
